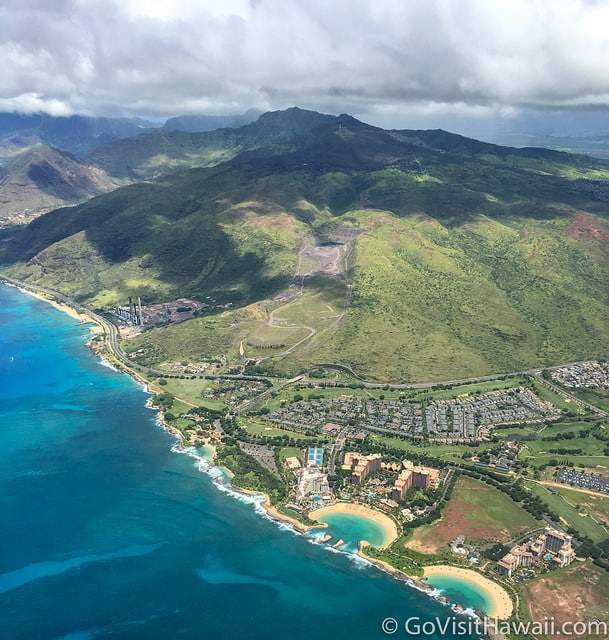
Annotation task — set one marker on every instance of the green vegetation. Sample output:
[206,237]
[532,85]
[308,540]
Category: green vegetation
[564,404]
[446,452]
[268,430]
[481,513]
[464,258]
[248,474]
[189,391]
[568,512]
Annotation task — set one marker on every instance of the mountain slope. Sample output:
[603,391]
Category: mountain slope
[76,134]
[42,178]
[199,124]
[423,255]
[152,154]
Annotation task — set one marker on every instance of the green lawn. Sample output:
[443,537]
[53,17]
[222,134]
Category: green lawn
[569,513]
[596,505]
[290,452]
[261,428]
[287,394]
[598,397]
[190,392]
[466,389]
[558,400]
[448,452]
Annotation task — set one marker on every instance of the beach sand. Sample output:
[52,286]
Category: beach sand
[351,508]
[81,317]
[501,603]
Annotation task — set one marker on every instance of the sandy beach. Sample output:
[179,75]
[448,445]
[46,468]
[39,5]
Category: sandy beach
[501,603]
[385,522]
[81,317]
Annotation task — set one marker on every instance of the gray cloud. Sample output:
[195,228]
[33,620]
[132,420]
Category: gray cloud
[376,57]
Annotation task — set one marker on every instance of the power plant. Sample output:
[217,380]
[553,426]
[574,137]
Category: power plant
[131,314]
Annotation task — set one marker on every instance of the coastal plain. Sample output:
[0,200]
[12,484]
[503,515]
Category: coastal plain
[364,327]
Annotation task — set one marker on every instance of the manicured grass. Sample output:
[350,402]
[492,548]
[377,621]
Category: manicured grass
[261,428]
[190,391]
[479,512]
[290,452]
[577,460]
[559,401]
[595,505]
[598,397]
[287,394]
[588,446]
[448,452]
[569,513]
[468,389]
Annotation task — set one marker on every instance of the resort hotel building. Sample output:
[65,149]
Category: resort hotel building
[551,545]
[362,466]
[312,481]
[414,476]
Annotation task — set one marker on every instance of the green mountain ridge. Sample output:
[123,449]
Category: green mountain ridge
[448,257]
[42,178]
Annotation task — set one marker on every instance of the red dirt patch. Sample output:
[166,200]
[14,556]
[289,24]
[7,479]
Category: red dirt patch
[274,221]
[577,593]
[478,512]
[586,227]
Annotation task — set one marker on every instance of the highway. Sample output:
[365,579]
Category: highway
[112,335]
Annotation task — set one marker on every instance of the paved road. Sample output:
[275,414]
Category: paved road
[113,339]
[571,396]
[337,447]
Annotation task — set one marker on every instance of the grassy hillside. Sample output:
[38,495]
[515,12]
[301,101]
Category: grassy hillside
[459,257]
[168,149]
[42,178]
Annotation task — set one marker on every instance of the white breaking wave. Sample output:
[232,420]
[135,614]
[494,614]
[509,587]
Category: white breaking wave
[107,364]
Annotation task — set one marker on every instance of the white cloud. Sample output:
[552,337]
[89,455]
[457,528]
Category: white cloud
[377,56]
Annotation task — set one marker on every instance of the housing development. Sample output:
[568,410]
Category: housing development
[457,420]
[584,375]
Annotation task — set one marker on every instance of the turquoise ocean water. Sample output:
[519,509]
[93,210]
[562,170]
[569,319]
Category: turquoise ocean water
[462,592]
[105,532]
[352,528]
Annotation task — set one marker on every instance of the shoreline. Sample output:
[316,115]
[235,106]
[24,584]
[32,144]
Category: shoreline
[501,604]
[60,306]
[496,593]
[382,520]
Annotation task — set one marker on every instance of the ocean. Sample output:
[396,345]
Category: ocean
[106,531]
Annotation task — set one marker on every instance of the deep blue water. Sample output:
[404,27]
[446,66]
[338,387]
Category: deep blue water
[107,533]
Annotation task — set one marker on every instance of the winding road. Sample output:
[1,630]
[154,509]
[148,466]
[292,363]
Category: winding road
[112,335]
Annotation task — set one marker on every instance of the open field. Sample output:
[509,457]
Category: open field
[189,391]
[596,506]
[598,397]
[591,462]
[548,394]
[448,452]
[575,593]
[468,389]
[569,513]
[260,428]
[589,446]
[290,452]
[477,511]
[287,394]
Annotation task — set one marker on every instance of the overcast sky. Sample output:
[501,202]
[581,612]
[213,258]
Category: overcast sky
[379,59]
